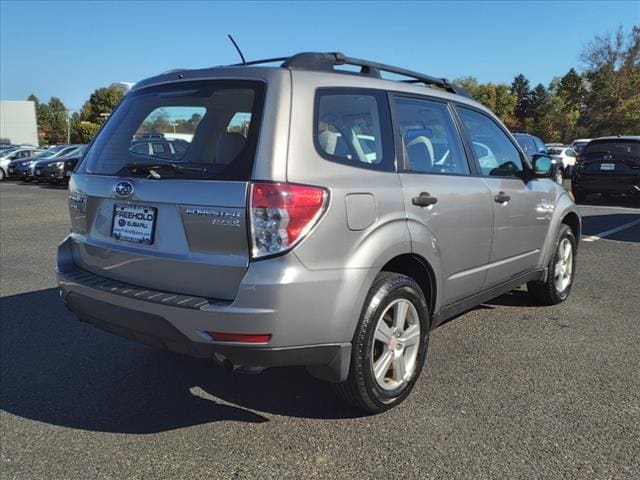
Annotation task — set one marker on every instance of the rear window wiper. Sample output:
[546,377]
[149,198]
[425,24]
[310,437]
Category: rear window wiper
[153,168]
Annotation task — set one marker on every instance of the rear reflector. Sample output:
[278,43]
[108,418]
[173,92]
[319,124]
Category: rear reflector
[240,337]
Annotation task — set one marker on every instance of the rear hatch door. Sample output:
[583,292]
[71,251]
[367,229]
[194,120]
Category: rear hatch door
[617,157]
[159,200]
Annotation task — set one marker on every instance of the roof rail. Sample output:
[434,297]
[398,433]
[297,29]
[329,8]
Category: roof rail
[327,62]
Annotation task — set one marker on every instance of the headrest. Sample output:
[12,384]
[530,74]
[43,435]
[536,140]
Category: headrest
[229,146]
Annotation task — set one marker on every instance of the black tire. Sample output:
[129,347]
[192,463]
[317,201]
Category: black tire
[1,175]
[546,293]
[361,389]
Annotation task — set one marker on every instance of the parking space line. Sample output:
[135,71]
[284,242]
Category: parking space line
[606,233]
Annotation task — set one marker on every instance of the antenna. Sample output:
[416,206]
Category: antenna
[244,62]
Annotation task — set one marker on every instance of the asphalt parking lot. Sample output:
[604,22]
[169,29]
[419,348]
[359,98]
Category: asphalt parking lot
[510,390]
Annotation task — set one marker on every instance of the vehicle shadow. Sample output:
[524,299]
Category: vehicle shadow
[514,298]
[595,224]
[612,201]
[57,370]
[53,186]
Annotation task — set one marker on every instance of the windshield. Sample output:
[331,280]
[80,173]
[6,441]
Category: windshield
[50,152]
[209,125]
[76,152]
[616,149]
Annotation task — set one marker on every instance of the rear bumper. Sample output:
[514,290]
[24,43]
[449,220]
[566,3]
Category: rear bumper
[330,361]
[606,183]
[310,315]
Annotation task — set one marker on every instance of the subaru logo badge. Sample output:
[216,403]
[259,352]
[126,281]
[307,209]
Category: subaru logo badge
[123,189]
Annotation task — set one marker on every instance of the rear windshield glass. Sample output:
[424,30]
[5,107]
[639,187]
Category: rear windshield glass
[204,129]
[616,149]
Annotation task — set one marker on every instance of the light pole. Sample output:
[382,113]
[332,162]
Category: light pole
[68,127]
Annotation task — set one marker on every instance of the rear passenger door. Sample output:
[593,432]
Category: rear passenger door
[522,209]
[443,199]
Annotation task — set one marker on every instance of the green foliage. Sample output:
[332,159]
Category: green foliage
[83,131]
[51,119]
[100,104]
[520,88]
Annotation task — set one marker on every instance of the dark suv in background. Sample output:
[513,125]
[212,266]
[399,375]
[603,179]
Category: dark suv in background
[609,166]
[532,145]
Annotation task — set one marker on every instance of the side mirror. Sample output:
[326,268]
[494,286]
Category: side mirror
[543,165]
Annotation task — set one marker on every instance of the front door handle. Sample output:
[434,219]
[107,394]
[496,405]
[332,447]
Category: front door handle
[424,200]
[502,197]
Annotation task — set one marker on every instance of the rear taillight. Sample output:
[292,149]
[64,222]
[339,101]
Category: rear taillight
[281,214]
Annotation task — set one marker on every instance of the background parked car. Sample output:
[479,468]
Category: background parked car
[566,155]
[533,145]
[609,166]
[21,168]
[18,167]
[35,169]
[14,154]
[59,169]
[530,143]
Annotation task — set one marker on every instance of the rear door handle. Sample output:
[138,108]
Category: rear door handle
[424,200]
[502,197]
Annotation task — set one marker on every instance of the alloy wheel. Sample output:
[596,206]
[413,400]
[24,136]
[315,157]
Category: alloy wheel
[563,270]
[395,345]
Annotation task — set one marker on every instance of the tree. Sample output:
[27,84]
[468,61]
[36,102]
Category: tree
[57,121]
[101,102]
[571,90]
[42,115]
[83,131]
[520,88]
[52,120]
[496,97]
[544,113]
[612,75]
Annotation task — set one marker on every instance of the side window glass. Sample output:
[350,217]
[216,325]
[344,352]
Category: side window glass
[353,127]
[503,157]
[432,143]
[571,153]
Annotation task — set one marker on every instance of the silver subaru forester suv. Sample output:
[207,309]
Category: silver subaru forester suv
[309,213]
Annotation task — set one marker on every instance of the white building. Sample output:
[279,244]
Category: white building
[18,122]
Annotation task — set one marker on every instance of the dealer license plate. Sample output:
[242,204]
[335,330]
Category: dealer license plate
[134,223]
[607,166]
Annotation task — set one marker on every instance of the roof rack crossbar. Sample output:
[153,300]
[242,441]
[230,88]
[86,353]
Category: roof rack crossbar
[327,62]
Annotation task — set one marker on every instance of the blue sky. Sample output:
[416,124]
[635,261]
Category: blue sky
[67,49]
